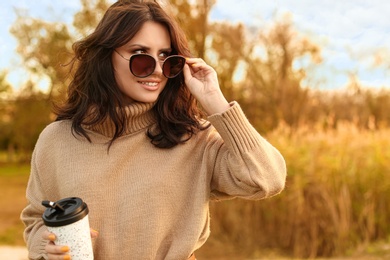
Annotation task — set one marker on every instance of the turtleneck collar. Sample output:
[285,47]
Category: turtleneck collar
[140,116]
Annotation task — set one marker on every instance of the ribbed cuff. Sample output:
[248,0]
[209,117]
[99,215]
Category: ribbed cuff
[235,129]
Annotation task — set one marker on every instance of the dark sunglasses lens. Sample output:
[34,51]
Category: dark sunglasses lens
[173,66]
[142,65]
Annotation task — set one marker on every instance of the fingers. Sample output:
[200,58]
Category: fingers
[54,251]
[94,233]
[57,252]
[202,80]
[187,72]
[48,236]
[194,61]
[196,64]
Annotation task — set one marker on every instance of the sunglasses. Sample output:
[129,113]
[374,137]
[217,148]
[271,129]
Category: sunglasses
[143,65]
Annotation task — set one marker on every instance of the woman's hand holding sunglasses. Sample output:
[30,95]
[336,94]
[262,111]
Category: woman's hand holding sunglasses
[202,81]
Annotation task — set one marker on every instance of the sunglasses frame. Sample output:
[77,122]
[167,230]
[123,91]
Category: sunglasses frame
[155,63]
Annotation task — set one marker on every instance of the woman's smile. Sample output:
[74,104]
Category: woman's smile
[150,85]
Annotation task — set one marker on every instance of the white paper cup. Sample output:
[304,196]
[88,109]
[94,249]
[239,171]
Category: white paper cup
[68,220]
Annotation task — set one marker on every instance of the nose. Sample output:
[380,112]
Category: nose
[158,69]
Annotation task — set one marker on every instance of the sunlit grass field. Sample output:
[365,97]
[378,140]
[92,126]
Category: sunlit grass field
[13,181]
[336,201]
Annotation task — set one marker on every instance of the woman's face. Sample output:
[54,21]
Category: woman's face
[153,39]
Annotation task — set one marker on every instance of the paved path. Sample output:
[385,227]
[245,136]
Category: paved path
[13,253]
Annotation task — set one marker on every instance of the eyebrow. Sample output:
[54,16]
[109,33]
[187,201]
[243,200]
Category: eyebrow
[148,48]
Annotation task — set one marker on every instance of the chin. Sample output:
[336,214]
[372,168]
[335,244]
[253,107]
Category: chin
[147,99]
[142,99]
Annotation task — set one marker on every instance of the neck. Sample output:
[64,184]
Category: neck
[139,116]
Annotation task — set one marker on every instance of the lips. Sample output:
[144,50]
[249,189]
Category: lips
[149,85]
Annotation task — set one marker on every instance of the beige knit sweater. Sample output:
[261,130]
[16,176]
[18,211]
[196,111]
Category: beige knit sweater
[149,203]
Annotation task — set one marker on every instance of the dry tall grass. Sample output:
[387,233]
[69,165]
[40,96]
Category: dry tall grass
[337,196]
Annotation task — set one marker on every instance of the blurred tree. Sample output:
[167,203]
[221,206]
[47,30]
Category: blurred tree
[378,104]
[272,88]
[5,86]
[43,47]
[5,107]
[268,87]
[227,53]
[30,114]
[193,18]
[46,47]
[90,14]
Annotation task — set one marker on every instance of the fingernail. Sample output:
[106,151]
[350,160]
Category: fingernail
[65,249]
[52,237]
[67,257]
[94,233]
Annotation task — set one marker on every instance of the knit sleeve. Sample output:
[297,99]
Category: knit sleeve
[246,165]
[31,216]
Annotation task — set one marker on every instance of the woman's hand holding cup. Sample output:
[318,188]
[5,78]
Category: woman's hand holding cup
[60,251]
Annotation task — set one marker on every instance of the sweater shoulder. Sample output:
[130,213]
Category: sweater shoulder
[54,129]
[58,130]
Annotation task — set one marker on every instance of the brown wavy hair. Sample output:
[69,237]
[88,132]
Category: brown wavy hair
[94,86]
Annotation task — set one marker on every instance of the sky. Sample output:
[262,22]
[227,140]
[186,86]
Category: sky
[354,35]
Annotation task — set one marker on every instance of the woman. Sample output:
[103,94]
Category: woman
[131,142]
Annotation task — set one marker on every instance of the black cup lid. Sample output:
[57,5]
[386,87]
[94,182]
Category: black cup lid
[64,212]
